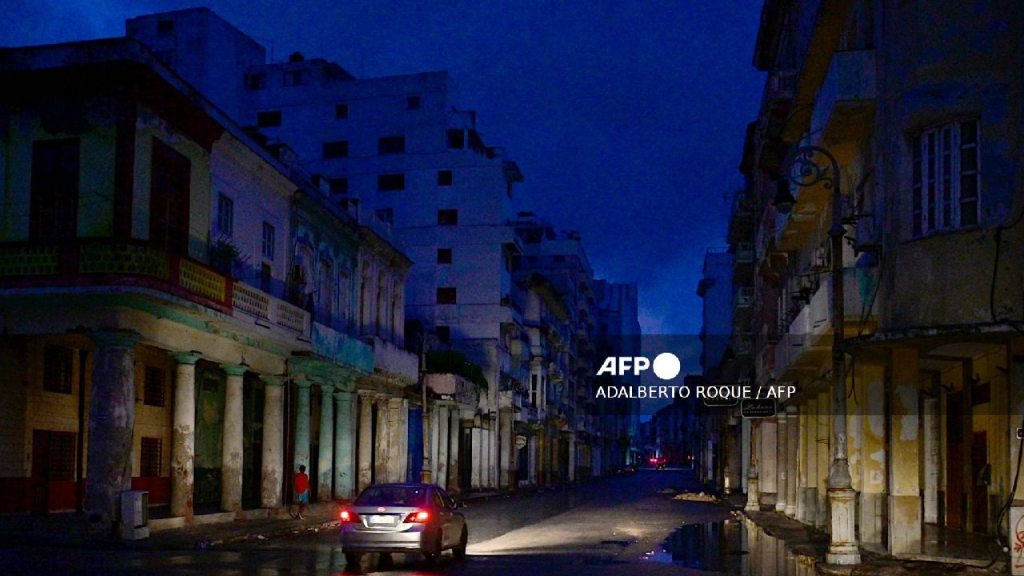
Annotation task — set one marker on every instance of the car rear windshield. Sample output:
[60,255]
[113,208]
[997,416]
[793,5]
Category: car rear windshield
[392,496]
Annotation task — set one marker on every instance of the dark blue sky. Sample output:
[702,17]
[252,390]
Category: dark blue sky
[627,118]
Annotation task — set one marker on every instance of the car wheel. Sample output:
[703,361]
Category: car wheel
[352,561]
[460,550]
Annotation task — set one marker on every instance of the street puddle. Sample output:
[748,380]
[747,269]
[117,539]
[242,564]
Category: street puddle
[737,547]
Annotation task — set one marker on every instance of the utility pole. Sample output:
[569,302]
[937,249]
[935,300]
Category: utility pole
[425,474]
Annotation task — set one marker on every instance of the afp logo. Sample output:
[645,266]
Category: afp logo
[665,366]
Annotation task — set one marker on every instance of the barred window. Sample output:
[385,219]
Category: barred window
[57,369]
[150,457]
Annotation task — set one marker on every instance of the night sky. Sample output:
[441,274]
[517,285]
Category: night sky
[626,118]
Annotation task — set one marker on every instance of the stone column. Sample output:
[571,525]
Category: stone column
[477,458]
[302,408]
[325,459]
[111,424]
[804,419]
[782,447]
[380,472]
[753,495]
[904,476]
[344,445]
[767,461]
[442,444]
[231,442]
[931,444]
[365,441]
[871,379]
[811,455]
[183,436]
[792,464]
[453,449]
[398,440]
[272,473]
[506,441]
[824,439]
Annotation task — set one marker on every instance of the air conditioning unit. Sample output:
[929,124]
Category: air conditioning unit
[134,515]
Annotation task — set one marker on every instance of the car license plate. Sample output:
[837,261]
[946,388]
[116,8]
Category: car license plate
[382,520]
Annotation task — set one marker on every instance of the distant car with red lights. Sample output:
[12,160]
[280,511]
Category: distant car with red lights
[658,462]
[403,518]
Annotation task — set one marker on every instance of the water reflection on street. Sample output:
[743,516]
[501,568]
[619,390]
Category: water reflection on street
[736,546]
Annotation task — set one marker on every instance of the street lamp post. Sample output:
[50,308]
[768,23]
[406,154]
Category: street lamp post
[808,166]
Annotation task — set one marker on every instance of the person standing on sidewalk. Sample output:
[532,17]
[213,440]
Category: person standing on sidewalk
[301,491]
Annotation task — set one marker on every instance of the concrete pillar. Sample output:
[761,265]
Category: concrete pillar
[753,488]
[365,441]
[380,471]
[435,448]
[824,443]
[572,457]
[231,441]
[454,431]
[767,462]
[746,445]
[931,443]
[183,435]
[398,439]
[476,458]
[792,463]
[507,446]
[810,454]
[344,445]
[272,473]
[904,483]
[782,447]
[801,477]
[302,408]
[325,457]
[443,420]
[873,457]
[111,424]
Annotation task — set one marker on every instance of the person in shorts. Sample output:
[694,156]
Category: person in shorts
[301,491]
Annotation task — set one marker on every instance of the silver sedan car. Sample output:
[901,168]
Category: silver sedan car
[405,518]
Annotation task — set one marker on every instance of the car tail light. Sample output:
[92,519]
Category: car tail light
[420,516]
[349,516]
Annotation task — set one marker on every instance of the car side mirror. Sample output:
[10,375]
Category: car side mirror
[460,504]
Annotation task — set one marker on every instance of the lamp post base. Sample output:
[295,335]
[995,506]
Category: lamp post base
[842,548]
[752,496]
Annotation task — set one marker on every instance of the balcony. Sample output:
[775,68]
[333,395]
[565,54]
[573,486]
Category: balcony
[807,343]
[392,360]
[845,105]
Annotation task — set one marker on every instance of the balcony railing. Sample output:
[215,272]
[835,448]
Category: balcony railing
[110,263]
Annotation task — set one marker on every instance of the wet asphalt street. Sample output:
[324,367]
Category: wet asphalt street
[611,526]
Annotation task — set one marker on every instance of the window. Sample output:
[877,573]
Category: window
[391,145]
[413,103]
[165,27]
[257,81]
[386,215]
[153,389]
[268,241]
[449,217]
[225,215]
[945,178]
[444,255]
[169,194]
[268,119]
[390,182]
[57,453]
[57,369]
[294,77]
[444,333]
[150,457]
[340,111]
[337,149]
[444,177]
[338,186]
[266,278]
[456,139]
[53,211]
[446,295]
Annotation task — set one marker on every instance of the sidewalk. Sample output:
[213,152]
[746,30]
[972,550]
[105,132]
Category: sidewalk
[70,530]
[945,551]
